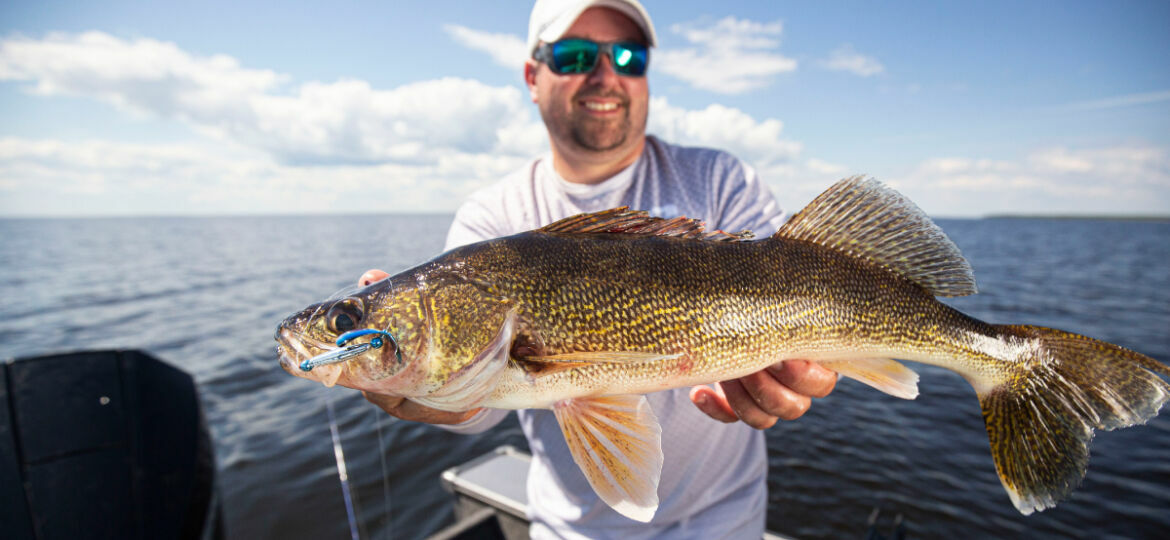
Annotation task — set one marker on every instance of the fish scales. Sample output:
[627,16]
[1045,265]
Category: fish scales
[585,315]
[723,305]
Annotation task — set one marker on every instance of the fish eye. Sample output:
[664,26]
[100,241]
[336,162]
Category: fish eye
[344,315]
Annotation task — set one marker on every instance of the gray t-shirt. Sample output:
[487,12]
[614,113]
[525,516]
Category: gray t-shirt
[713,481]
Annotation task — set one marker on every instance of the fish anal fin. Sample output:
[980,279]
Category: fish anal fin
[862,218]
[617,443]
[885,374]
[622,220]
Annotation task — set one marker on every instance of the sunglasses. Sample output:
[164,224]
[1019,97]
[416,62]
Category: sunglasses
[569,56]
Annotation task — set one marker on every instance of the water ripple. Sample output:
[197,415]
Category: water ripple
[205,294]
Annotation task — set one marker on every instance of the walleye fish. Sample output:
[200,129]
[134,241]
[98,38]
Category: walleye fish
[587,314]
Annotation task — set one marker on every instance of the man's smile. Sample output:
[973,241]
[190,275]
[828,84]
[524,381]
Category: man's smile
[600,106]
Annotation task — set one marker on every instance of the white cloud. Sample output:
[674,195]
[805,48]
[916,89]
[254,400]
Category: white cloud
[267,146]
[1110,180]
[341,122]
[844,58]
[144,75]
[270,146]
[39,177]
[507,50]
[760,143]
[731,56]
[717,126]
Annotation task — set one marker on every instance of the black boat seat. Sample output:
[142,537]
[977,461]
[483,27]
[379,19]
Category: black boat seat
[104,444]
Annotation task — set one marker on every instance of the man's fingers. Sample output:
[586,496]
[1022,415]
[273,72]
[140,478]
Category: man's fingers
[386,402]
[712,402]
[804,377]
[774,398]
[405,409]
[372,276]
[745,405]
[410,410]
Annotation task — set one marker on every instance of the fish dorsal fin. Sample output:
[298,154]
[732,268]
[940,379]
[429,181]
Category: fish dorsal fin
[622,220]
[617,443]
[862,218]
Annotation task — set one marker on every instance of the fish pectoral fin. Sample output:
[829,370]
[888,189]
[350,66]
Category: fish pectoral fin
[602,357]
[885,374]
[617,443]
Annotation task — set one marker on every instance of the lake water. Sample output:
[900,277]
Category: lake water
[206,293]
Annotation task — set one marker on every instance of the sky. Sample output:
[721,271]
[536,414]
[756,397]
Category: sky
[220,108]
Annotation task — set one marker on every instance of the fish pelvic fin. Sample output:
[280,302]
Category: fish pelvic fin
[617,443]
[1041,421]
[885,374]
[862,218]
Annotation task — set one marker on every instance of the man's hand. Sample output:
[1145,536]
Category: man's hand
[405,409]
[400,407]
[372,276]
[783,390]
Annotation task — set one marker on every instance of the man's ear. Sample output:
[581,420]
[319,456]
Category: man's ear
[530,68]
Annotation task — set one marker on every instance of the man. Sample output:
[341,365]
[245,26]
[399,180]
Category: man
[594,100]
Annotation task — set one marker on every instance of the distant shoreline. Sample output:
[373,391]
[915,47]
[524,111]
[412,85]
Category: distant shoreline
[1086,217]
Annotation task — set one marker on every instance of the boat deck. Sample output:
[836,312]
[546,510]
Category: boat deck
[491,497]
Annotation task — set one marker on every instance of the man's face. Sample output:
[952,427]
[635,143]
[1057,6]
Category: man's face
[599,111]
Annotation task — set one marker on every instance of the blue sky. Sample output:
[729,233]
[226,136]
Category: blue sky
[144,108]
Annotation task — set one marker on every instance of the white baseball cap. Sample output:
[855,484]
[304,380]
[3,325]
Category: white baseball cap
[552,18]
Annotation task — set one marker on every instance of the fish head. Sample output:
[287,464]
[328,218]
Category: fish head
[391,307]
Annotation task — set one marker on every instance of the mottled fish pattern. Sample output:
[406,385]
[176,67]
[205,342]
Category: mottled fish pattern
[586,315]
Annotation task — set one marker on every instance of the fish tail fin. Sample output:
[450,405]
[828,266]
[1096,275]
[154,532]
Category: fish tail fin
[1041,420]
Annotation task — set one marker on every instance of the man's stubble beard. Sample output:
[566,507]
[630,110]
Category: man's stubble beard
[601,136]
[591,134]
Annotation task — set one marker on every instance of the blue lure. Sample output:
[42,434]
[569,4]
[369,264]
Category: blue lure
[341,355]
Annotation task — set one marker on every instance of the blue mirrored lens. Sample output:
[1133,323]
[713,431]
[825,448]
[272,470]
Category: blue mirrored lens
[629,58]
[580,56]
[574,56]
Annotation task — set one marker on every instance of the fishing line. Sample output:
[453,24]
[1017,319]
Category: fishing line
[379,417]
[339,455]
[343,292]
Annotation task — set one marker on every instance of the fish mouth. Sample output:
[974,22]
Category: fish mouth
[293,351]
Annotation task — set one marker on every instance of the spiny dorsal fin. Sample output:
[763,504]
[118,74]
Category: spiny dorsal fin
[622,220]
[863,218]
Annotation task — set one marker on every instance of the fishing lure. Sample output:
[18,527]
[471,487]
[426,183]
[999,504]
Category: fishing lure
[340,355]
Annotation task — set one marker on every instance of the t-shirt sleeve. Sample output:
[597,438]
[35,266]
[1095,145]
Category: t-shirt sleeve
[474,222]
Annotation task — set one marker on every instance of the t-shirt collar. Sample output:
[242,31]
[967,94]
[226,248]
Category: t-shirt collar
[618,181]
